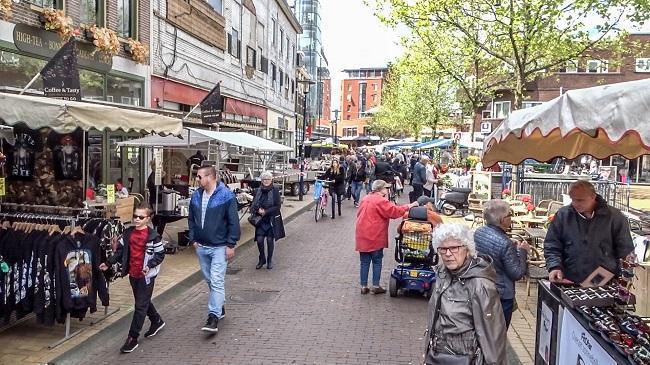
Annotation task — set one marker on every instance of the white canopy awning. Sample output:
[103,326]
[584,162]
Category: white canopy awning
[66,116]
[194,136]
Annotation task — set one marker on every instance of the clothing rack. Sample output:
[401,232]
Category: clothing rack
[50,209]
[71,220]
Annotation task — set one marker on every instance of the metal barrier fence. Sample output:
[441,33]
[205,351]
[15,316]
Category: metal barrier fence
[616,195]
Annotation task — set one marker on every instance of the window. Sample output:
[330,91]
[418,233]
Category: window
[374,87]
[259,50]
[642,65]
[349,87]
[597,66]
[349,109]
[125,91]
[89,12]
[274,31]
[362,97]
[92,85]
[234,43]
[293,56]
[293,87]
[366,130]
[126,25]
[45,3]
[281,42]
[251,57]
[273,75]
[349,98]
[530,104]
[281,79]
[288,49]
[348,117]
[217,5]
[374,99]
[350,131]
[571,66]
[501,109]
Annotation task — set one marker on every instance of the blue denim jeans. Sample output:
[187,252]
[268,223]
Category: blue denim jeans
[369,186]
[508,306]
[357,186]
[213,265]
[366,257]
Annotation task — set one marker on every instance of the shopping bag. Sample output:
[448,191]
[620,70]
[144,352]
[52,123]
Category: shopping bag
[278,227]
[318,188]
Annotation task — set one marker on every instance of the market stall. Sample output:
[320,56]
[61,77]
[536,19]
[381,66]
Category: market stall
[578,325]
[263,151]
[44,176]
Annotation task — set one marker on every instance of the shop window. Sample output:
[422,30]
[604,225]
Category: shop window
[92,12]
[17,70]
[92,85]
[126,18]
[124,91]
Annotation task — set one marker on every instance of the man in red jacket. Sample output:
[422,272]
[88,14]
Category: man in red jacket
[373,216]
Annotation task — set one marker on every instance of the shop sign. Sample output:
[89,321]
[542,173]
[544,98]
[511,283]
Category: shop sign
[46,44]
[110,194]
[486,127]
[577,345]
[546,325]
[158,168]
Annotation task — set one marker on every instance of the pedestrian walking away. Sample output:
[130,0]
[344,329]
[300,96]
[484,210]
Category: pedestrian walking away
[213,231]
[464,322]
[267,205]
[337,188]
[419,178]
[373,216]
[140,252]
[510,258]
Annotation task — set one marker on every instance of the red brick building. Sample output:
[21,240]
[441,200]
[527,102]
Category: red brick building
[361,91]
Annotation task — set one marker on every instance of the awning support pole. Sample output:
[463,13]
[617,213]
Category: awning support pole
[30,83]
[191,111]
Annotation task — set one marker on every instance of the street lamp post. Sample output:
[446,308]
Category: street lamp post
[335,137]
[307,84]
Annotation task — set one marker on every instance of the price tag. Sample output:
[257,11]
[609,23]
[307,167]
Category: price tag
[110,194]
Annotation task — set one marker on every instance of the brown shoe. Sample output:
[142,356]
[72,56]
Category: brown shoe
[365,290]
[378,290]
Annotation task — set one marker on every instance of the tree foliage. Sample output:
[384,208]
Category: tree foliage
[522,39]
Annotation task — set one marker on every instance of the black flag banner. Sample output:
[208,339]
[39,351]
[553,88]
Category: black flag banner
[60,75]
[212,106]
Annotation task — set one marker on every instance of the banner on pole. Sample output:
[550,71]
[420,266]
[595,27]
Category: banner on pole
[60,74]
[212,106]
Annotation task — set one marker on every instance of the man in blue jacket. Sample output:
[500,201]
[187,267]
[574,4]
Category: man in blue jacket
[214,232]
[419,178]
[509,258]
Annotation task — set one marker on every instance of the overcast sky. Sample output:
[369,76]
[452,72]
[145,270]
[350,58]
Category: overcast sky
[354,38]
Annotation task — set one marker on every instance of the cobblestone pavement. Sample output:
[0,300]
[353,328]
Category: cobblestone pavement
[307,310]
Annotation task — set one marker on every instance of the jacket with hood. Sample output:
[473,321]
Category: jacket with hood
[154,252]
[470,313]
[577,245]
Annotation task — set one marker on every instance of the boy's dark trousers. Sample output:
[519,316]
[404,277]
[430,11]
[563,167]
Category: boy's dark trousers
[143,306]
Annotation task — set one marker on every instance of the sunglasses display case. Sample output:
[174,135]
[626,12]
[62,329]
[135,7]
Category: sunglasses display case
[598,296]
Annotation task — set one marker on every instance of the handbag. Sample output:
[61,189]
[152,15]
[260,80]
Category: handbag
[442,358]
[254,219]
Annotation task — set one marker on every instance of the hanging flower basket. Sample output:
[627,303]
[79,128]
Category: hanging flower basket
[138,51]
[103,38]
[56,20]
[5,9]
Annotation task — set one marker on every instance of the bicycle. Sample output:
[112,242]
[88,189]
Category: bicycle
[322,198]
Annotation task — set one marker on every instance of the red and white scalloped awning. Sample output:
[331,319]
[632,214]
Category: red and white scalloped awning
[599,121]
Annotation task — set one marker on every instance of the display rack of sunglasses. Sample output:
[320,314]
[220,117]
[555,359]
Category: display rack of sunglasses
[42,213]
[599,296]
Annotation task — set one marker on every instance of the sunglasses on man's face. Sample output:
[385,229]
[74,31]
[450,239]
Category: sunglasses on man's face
[140,217]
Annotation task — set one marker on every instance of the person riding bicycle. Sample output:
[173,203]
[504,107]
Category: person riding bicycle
[337,188]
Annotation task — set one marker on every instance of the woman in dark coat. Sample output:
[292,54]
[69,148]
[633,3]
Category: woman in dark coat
[267,204]
[337,189]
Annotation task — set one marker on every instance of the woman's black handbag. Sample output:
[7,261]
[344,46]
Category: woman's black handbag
[254,219]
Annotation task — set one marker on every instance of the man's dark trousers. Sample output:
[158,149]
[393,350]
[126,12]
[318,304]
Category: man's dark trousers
[418,190]
[508,306]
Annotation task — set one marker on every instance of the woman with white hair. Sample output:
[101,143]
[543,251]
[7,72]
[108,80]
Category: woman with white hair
[373,216]
[465,322]
[267,203]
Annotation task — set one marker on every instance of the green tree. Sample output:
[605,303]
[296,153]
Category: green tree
[527,37]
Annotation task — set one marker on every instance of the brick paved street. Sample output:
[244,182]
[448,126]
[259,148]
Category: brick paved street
[307,310]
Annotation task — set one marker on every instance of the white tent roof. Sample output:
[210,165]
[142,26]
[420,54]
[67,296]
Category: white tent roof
[193,136]
[66,116]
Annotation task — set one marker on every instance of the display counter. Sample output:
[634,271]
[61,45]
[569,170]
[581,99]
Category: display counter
[564,335]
